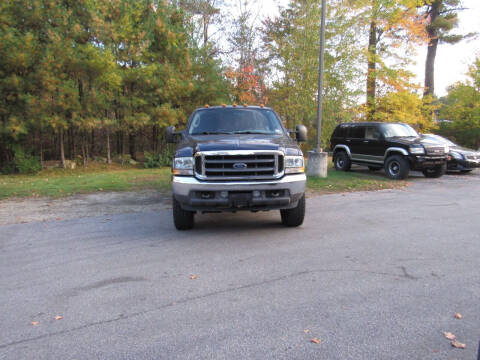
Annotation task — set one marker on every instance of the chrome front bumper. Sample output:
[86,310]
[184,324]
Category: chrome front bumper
[189,190]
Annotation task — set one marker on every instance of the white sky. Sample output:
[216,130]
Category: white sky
[452,61]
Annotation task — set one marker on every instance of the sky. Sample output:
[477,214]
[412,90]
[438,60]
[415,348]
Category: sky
[452,61]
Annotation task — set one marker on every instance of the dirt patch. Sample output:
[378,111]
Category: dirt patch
[14,211]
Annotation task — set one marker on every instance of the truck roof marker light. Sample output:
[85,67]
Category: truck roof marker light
[224,105]
[207,106]
[245,105]
[262,105]
[234,105]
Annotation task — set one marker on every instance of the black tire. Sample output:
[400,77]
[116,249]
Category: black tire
[183,220]
[397,167]
[466,171]
[436,172]
[294,217]
[374,168]
[342,161]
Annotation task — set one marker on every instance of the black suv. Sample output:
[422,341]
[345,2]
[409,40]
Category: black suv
[398,148]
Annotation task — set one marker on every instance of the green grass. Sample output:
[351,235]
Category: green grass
[100,177]
[358,179]
[95,178]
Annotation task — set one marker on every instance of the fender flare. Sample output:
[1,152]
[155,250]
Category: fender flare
[395,149]
[343,147]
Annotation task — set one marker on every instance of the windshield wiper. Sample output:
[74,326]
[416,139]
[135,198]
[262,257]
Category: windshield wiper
[252,132]
[213,133]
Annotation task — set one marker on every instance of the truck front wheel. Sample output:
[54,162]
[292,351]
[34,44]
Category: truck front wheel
[182,219]
[294,217]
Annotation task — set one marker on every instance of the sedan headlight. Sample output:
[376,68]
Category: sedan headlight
[183,166]
[294,164]
[417,150]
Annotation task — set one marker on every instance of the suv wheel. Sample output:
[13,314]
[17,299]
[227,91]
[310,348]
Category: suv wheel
[182,219]
[397,167]
[435,172]
[294,217]
[342,161]
[374,168]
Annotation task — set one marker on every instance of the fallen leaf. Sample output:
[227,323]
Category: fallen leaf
[58,317]
[449,335]
[193,277]
[34,323]
[458,316]
[306,331]
[315,340]
[458,345]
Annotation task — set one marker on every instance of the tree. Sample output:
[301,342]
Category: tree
[462,107]
[292,42]
[441,18]
[393,26]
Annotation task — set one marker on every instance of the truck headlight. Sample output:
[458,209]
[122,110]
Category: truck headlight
[447,149]
[294,164]
[417,150]
[183,166]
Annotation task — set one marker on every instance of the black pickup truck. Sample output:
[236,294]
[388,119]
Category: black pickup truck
[396,147]
[232,158]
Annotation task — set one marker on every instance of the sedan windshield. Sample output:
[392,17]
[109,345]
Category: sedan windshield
[398,130]
[235,121]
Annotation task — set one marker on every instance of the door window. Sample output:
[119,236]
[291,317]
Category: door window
[372,133]
[357,132]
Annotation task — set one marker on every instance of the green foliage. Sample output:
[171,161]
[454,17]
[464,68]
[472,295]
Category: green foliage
[292,44]
[462,107]
[26,163]
[159,159]
[405,107]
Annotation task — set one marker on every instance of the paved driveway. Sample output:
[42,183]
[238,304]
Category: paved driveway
[375,275]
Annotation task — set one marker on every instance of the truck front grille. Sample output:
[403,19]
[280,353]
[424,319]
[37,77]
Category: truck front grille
[239,165]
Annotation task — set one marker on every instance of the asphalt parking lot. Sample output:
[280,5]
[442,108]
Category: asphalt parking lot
[371,275]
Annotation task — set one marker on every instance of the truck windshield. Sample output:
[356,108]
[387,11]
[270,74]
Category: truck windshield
[235,121]
[398,130]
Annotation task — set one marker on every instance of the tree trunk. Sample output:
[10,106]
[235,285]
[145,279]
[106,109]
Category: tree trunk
[109,160]
[62,148]
[131,144]
[124,146]
[85,149]
[92,142]
[432,49]
[155,138]
[371,75]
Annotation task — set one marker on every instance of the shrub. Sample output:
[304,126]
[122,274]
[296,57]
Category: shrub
[156,160]
[25,163]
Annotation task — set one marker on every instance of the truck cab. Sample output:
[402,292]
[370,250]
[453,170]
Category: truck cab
[232,158]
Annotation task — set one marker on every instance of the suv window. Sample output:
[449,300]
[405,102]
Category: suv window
[340,132]
[372,133]
[357,132]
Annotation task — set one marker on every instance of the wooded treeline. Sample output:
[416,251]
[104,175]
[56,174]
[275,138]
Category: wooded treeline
[81,79]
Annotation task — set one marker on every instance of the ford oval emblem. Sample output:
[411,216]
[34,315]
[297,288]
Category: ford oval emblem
[239,166]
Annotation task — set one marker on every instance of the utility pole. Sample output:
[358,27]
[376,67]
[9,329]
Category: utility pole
[321,61]
[317,159]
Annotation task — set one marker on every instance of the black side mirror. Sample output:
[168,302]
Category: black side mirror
[301,133]
[170,134]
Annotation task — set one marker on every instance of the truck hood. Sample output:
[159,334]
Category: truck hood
[193,144]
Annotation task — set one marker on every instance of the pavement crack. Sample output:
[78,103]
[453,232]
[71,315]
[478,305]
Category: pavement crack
[189,299]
